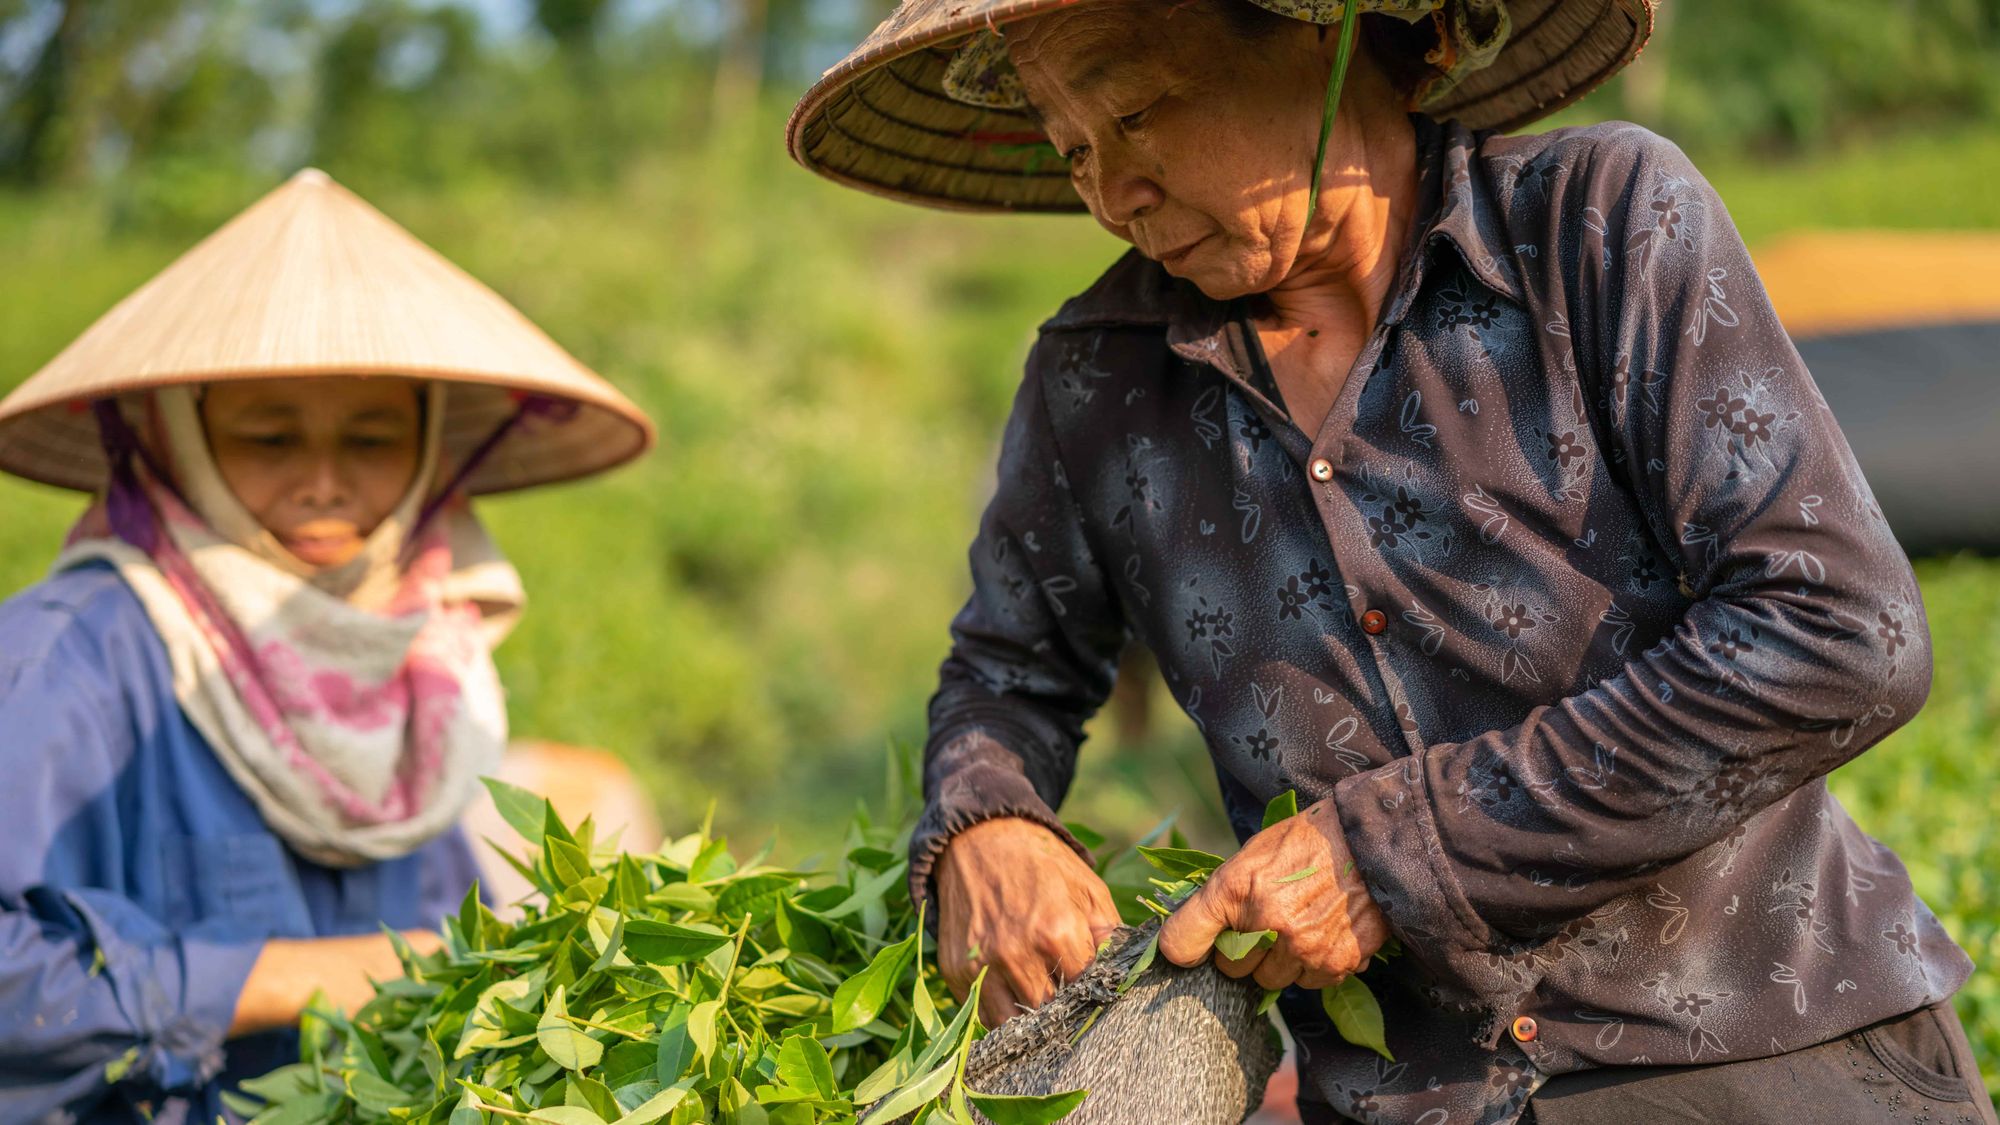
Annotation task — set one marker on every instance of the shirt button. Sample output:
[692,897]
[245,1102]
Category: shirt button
[1321,469]
[1374,621]
[1525,1029]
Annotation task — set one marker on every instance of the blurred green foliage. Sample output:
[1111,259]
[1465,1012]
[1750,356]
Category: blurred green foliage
[753,611]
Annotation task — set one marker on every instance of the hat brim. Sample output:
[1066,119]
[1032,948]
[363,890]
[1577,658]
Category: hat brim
[880,120]
[56,441]
[311,281]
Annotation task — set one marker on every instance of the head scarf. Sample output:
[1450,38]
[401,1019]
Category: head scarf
[357,705]
[1470,34]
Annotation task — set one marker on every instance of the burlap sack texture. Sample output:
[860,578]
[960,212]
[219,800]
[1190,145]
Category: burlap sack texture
[1181,1046]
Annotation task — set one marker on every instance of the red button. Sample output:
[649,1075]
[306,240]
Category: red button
[1374,621]
[1321,469]
[1524,1029]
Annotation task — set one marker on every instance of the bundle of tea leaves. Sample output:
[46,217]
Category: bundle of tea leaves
[679,987]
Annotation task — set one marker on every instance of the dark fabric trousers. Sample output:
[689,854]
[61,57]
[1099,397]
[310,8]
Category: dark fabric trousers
[1915,1068]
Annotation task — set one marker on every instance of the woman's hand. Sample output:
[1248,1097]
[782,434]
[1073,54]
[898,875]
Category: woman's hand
[289,971]
[1014,899]
[1296,878]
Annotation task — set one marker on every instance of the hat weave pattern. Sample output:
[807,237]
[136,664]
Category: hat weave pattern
[1470,34]
[885,121]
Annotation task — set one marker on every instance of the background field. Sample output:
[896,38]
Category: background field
[753,613]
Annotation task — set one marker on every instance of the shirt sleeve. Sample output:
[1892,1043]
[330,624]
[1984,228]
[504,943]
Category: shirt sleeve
[1805,642]
[94,991]
[1033,652]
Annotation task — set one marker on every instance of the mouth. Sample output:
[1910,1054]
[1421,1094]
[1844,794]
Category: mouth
[322,543]
[1175,257]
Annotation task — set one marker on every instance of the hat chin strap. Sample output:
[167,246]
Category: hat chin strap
[1341,58]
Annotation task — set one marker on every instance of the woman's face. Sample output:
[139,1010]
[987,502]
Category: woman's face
[1183,138]
[319,462]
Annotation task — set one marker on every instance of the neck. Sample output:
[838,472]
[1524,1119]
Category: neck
[1348,257]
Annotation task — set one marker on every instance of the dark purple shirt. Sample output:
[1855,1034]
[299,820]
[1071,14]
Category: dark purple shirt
[1570,606]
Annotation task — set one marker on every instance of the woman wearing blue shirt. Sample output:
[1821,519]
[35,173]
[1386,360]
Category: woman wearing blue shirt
[239,719]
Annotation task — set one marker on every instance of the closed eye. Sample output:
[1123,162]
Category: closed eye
[1138,118]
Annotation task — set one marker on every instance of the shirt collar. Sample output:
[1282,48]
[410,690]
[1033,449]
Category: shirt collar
[1458,208]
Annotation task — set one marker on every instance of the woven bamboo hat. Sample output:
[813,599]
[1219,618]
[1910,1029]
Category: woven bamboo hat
[313,281]
[881,120]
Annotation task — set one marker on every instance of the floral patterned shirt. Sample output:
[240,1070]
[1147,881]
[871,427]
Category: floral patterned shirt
[1570,606]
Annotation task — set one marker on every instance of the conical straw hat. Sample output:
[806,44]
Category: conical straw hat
[881,121]
[312,281]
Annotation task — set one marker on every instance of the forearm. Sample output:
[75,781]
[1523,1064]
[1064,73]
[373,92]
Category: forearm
[1496,838]
[288,973]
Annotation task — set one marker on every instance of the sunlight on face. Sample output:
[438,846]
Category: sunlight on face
[1183,138]
[320,463]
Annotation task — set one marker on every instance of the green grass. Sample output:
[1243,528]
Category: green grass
[755,610]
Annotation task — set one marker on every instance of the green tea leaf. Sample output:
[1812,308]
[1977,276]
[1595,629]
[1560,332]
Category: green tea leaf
[1026,1109]
[676,1048]
[803,1065]
[659,1105]
[683,896]
[861,997]
[1301,873]
[920,1092]
[1084,835]
[886,1078]
[701,1027]
[309,1110]
[754,895]
[664,943]
[1284,806]
[1356,1015]
[471,927]
[569,863]
[1236,946]
[377,1095]
[1140,966]
[870,891]
[613,943]
[523,811]
[284,1082]
[594,1096]
[1181,863]
[565,1042]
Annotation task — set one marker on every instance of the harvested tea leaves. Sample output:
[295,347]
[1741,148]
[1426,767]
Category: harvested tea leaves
[1236,946]
[1356,1015]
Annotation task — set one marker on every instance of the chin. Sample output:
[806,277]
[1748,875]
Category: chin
[1222,285]
[1225,280]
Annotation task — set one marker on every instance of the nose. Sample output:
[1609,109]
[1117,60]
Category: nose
[1123,195]
[323,488]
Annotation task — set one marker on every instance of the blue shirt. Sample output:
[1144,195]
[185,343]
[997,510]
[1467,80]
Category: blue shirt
[138,882]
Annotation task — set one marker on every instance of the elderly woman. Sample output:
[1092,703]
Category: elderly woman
[1465,484]
[245,709]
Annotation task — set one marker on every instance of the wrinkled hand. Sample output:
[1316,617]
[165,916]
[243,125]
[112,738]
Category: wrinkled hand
[1015,900]
[1327,925]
